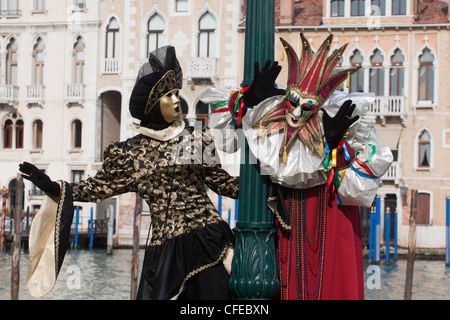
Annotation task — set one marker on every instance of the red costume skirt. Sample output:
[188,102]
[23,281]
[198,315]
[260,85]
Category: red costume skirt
[321,258]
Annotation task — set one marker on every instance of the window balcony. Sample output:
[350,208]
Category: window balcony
[201,70]
[110,66]
[394,172]
[35,192]
[35,95]
[75,94]
[390,106]
[9,95]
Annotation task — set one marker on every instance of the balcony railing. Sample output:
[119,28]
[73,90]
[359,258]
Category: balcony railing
[110,66]
[35,94]
[394,172]
[75,93]
[36,192]
[9,94]
[389,106]
[11,12]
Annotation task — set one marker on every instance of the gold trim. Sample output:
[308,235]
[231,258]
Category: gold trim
[274,210]
[150,103]
[154,104]
[206,266]
[57,224]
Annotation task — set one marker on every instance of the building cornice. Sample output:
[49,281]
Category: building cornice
[53,24]
[365,27]
[360,27]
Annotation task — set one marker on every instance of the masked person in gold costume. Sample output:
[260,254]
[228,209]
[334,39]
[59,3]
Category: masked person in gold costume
[190,243]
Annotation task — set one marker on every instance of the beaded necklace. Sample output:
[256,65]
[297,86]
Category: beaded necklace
[285,247]
[306,252]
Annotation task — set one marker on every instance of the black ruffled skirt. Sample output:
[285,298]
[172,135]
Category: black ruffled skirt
[168,268]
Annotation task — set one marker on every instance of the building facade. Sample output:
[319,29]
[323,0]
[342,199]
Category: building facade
[48,92]
[67,69]
[402,48]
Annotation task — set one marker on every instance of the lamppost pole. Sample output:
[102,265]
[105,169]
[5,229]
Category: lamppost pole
[254,271]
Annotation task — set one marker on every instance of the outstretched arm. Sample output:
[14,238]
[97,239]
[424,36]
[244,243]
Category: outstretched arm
[39,179]
[115,177]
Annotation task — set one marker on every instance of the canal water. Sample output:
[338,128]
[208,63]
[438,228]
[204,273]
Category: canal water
[94,275]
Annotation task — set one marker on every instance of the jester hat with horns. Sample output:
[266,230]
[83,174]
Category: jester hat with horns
[311,81]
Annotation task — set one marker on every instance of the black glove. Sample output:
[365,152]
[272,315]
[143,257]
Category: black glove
[336,127]
[263,85]
[39,179]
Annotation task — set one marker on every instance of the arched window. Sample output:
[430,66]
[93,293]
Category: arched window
[376,72]
[37,134]
[155,32]
[206,36]
[78,61]
[424,149]
[397,74]
[357,78]
[76,134]
[337,8]
[13,130]
[38,62]
[12,194]
[426,76]
[19,134]
[8,134]
[11,62]
[112,39]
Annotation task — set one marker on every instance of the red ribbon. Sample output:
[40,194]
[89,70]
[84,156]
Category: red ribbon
[365,167]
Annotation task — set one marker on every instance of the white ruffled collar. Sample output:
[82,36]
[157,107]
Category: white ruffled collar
[162,135]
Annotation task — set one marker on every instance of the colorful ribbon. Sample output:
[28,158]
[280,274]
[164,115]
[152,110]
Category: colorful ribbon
[239,107]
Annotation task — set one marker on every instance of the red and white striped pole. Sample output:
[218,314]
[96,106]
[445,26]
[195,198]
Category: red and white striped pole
[3,220]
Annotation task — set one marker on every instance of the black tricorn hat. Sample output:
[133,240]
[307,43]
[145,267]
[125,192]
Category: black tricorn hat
[157,77]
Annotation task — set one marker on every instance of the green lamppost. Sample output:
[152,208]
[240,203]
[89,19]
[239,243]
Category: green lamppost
[254,271]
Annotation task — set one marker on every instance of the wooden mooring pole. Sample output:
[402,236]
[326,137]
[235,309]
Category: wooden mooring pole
[135,251]
[411,246]
[109,240]
[15,270]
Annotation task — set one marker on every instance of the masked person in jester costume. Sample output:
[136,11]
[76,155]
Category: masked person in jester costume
[191,245]
[324,159]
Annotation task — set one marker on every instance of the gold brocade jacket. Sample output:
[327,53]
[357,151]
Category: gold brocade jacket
[169,169]
[171,176]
